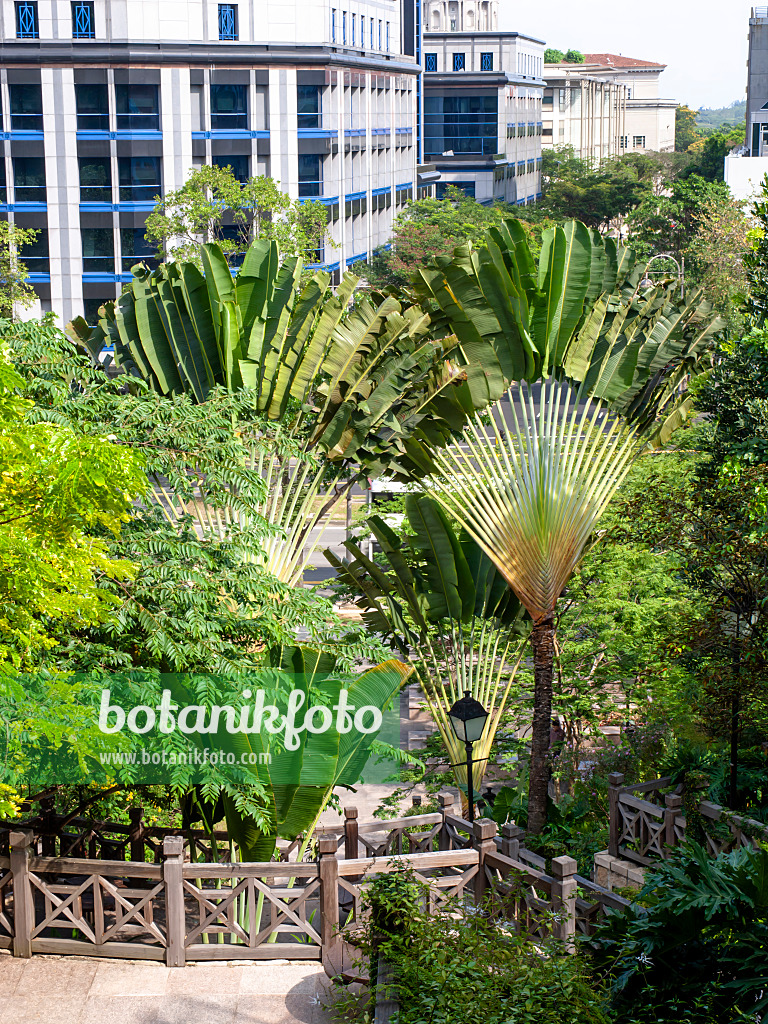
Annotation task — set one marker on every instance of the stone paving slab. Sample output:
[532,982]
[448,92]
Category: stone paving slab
[81,990]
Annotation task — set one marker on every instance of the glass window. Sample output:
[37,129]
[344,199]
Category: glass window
[139,178]
[387,37]
[83,21]
[34,255]
[458,62]
[354,28]
[29,179]
[229,106]
[308,101]
[235,233]
[486,62]
[228,27]
[138,107]
[462,124]
[344,28]
[333,25]
[371,33]
[26,108]
[362,30]
[430,62]
[638,141]
[379,35]
[310,181]
[98,250]
[467,187]
[136,249]
[91,309]
[92,104]
[95,179]
[239,165]
[3,189]
[27,24]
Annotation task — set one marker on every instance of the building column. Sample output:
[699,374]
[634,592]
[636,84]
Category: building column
[62,190]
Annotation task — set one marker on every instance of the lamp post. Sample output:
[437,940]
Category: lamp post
[648,283]
[468,721]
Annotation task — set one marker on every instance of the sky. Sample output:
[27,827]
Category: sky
[703,42]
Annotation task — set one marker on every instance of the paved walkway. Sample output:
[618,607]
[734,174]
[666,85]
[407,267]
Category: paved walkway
[80,990]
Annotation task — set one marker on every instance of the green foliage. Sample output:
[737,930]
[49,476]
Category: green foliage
[700,944]
[686,129]
[711,118]
[472,970]
[667,223]
[15,293]
[574,57]
[58,485]
[573,188]
[214,206]
[734,395]
[433,227]
[756,260]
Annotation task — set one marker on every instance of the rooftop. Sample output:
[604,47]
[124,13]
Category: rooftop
[617,61]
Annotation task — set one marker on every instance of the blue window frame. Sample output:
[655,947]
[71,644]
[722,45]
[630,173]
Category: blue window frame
[379,35]
[29,179]
[308,106]
[92,105]
[430,62]
[229,106]
[387,37]
[354,28]
[459,62]
[139,178]
[486,62]
[83,21]
[362,30]
[344,29]
[464,124]
[228,27]
[310,175]
[138,107]
[26,107]
[371,33]
[27,23]
[333,25]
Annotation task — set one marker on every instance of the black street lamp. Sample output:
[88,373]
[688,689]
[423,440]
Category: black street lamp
[468,721]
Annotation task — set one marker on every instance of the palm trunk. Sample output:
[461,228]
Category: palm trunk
[543,644]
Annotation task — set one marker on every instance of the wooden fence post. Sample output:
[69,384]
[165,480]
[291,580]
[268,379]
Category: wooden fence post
[135,834]
[564,900]
[350,833]
[446,804]
[672,809]
[20,847]
[510,840]
[328,870]
[615,782]
[173,877]
[483,832]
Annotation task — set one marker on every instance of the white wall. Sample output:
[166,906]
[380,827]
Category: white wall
[744,175]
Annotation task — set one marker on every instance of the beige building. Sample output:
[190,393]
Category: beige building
[650,121]
[583,111]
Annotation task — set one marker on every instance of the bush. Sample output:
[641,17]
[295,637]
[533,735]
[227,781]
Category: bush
[700,946]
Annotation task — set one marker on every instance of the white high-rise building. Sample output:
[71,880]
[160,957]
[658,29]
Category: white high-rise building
[483,91]
[109,103]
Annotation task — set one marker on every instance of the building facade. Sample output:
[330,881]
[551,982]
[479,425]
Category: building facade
[587,113]
[483,93]
[107,104]
[746,166]
[650,117]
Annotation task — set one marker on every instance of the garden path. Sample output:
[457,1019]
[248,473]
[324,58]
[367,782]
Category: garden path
[81,990]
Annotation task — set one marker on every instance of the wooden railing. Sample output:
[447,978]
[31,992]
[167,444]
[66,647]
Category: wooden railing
[178,909]
[647,823]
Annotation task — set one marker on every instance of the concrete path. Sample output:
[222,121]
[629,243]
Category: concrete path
[80,990]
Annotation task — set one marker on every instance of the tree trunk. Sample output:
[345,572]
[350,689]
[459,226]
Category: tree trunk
[543,644]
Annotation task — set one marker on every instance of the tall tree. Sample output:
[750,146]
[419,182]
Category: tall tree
[598,364]
[686,132]
[213,205]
